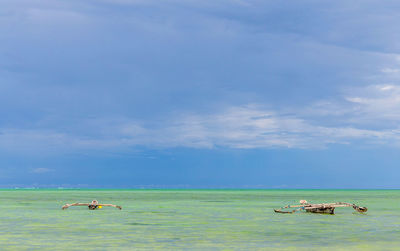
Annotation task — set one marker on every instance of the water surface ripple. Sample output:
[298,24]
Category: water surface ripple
[197,220]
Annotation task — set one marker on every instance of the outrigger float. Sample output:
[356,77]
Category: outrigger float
[324,208]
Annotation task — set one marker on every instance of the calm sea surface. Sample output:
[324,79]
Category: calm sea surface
[197,220]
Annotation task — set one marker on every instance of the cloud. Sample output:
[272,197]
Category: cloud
[377,102]
[367,114]
[254,127]
[81,75]
[41,170]
[241,127]
[390,70]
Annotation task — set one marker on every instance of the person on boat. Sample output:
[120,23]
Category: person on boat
[92,206]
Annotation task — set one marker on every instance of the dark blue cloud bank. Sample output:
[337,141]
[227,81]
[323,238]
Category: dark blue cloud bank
[264,94]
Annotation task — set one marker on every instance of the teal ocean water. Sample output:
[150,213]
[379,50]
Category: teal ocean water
[196,220]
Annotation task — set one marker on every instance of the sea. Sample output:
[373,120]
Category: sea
[165,219]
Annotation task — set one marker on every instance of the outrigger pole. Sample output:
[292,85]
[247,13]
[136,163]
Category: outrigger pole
[327,208]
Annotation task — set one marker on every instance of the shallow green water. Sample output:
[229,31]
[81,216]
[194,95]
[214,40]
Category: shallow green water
[196,220]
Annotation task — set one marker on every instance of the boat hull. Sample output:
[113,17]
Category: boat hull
[325,210]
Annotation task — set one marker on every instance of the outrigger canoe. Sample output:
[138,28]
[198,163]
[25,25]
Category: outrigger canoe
[324,208]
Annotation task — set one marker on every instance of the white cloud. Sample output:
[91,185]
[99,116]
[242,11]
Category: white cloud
[356,100]
[377,102]
[41,170]
[387,87]
[244,127]
[390,70]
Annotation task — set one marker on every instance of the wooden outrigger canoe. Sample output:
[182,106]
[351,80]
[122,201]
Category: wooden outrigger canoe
[324,208]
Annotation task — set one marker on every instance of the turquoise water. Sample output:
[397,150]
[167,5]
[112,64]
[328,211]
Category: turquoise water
[197,220]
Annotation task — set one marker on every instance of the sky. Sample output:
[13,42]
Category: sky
[200,94]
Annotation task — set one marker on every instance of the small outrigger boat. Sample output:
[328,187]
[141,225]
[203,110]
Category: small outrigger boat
[92,206]
[323,208]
